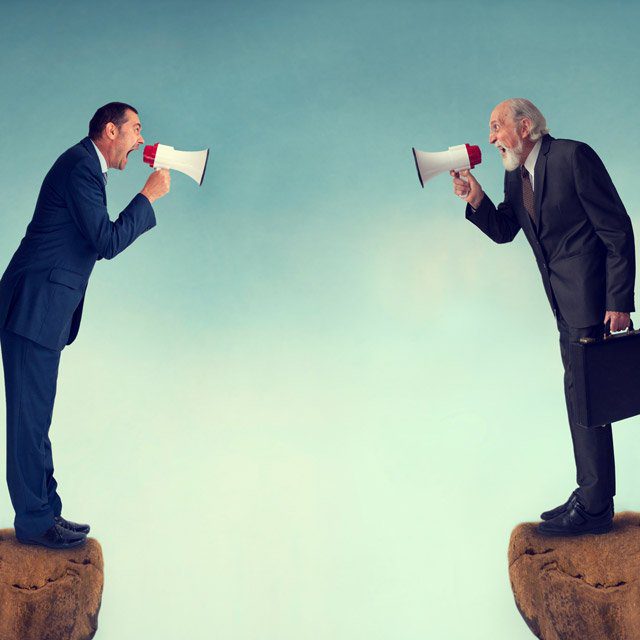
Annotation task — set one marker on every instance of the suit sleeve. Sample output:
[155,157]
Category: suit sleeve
[500,224]
[611,223]
[83,196]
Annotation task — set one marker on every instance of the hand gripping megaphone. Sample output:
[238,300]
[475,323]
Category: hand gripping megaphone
[462,156]
[162,156]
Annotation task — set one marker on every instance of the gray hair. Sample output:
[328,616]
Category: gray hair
[522,108]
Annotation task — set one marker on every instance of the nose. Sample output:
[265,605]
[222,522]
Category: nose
[492,137]
[140,139]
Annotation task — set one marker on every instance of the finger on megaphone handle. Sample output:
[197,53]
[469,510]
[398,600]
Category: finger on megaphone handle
[468,176]
[460,186]
[460,176]
[458,179]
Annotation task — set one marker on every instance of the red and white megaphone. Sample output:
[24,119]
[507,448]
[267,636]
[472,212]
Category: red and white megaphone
[162,156]
[458,158]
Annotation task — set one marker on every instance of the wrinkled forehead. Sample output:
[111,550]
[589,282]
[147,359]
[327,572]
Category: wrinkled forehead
[500,115]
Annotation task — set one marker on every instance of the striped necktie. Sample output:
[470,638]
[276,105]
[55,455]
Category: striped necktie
[527,193]
[104,177]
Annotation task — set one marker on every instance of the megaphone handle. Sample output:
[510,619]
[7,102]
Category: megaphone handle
[461,177]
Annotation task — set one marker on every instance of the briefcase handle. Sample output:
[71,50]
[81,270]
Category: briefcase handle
[611,336]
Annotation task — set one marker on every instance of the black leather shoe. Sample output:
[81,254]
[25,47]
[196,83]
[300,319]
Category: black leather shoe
[76,527]
[56,537]
[575,521]
[552,513]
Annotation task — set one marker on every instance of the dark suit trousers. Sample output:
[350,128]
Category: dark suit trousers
[30,376]
[592,447]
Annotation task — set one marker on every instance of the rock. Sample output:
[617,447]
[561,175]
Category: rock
[47,594]
[580,588]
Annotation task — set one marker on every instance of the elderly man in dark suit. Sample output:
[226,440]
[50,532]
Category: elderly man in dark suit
[560,194]
[41,298]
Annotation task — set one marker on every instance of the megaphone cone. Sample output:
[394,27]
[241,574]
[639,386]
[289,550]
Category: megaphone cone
[430,164]
[162,156]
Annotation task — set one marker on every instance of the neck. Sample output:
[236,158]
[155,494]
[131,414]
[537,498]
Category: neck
[527,146]
[104,150]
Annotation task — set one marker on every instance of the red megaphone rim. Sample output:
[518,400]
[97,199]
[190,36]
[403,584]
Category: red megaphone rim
[149,154]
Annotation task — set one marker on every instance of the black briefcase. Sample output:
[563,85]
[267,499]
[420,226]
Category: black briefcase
[606,378]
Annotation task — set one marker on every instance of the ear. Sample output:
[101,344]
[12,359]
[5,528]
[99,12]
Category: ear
[110,130]
[525,127]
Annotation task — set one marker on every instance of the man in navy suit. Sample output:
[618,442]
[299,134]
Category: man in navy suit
[560,194]
[41,297]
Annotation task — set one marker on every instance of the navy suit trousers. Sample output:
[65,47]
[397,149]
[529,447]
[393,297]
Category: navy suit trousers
[30,376]
[593,446]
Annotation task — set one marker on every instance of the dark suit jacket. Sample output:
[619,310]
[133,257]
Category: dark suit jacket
[42,290]
[582,237]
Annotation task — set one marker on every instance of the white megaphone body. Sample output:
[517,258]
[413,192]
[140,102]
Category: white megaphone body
[458,158]
[162,156]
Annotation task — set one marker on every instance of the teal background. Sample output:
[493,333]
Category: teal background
[313,401]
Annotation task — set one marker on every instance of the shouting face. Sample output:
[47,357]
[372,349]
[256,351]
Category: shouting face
[124,139]
[507,136]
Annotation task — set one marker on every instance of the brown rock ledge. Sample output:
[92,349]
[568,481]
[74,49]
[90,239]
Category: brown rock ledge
[582,588]
[47,594]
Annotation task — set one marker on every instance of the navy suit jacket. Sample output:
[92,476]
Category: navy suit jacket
[42,290]
[581,237]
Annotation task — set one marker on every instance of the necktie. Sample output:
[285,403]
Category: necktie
[104,177]
[527,193]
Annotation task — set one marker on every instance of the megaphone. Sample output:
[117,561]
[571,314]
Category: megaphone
[462,156]
[162,156]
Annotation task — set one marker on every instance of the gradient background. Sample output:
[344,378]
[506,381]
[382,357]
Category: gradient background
[314,400]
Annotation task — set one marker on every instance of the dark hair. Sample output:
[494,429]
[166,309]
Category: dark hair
[113,112]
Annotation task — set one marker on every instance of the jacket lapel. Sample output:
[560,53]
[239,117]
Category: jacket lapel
[539,175]
[88,145]
[515,179]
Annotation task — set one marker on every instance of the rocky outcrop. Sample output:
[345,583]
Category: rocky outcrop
[47,594]
[578,588]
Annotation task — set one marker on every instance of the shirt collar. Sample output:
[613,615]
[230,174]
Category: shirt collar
[103,162]
[530,162]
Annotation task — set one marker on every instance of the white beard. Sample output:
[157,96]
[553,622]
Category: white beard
[511,157]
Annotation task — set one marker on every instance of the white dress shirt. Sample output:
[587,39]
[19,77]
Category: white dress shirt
[530,162]
[103,162]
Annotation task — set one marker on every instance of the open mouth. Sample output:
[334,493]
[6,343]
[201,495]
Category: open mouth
[126,157]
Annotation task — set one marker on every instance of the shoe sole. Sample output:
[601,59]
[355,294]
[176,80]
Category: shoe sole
[567,534]
[70,545]
[84,533]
